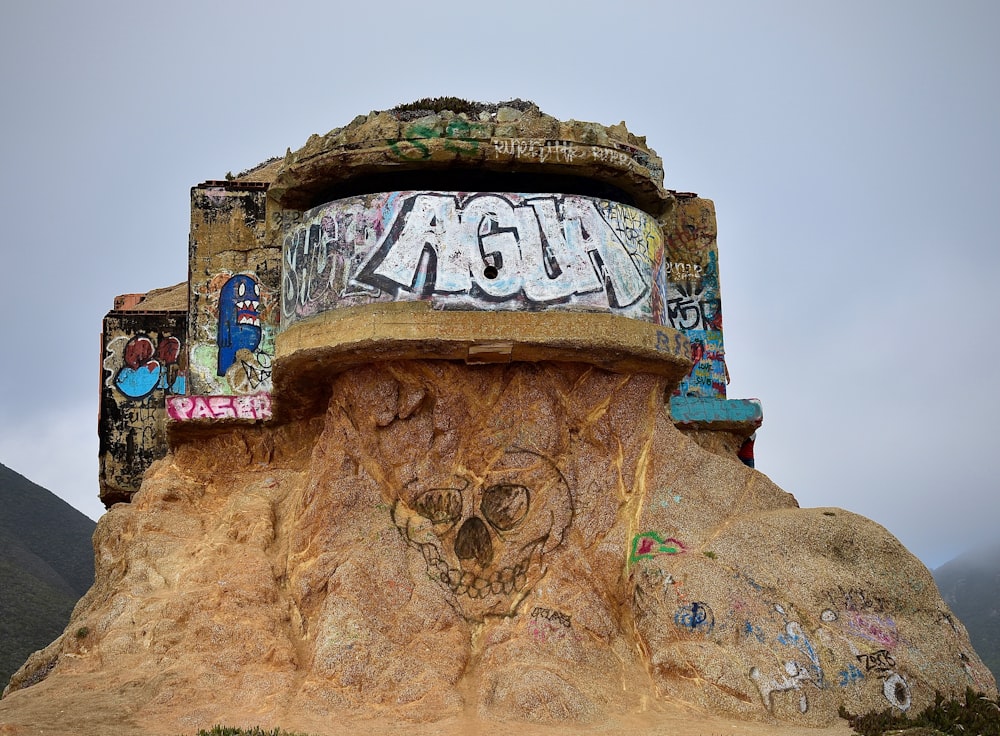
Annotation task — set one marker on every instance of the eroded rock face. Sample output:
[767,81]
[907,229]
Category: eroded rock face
[530,542]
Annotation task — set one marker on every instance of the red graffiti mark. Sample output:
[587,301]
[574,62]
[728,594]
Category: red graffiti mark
[650,544]
[138,351]
[647,546]
[167,350]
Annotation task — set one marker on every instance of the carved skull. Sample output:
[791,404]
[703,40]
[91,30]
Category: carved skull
[484,537]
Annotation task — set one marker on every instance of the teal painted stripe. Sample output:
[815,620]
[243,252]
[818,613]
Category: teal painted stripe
[697,410]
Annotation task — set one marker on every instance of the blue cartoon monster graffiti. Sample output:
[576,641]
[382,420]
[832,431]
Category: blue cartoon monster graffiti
[239,319]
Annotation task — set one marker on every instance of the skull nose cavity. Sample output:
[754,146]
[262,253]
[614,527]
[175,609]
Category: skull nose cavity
[473,542]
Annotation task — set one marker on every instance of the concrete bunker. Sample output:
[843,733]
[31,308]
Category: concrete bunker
[492,234]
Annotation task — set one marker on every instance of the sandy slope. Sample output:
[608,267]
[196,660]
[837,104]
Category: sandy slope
[81,707]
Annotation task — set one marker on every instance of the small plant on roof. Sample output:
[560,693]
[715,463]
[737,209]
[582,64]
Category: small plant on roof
[457,105]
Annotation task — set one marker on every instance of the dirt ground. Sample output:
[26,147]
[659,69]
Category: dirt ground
[85,708]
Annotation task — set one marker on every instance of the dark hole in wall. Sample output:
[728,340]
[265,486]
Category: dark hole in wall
[466,180]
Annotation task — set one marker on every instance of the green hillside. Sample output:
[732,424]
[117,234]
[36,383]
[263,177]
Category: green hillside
[970,584]
[46,564]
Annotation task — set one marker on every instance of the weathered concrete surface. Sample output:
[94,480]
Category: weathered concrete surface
[142,360]
[448,544]
[353,336]
[694,293]
[234,276]
[168,299]
[507,141]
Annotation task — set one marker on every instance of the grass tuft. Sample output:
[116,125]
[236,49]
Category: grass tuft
[975,714]
[254,731]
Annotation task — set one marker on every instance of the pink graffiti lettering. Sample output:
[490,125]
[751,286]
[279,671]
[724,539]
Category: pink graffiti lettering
[216,194]
[879,629]
[253,406]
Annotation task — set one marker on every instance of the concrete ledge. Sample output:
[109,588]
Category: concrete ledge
[302,180]
[310,351]
[716,414]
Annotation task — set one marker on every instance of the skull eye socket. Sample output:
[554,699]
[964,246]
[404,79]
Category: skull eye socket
[505,505]
[440,505]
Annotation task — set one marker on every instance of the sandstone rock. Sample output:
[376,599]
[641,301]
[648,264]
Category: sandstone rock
[446,544]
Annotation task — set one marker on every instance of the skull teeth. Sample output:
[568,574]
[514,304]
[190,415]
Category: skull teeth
[465,582]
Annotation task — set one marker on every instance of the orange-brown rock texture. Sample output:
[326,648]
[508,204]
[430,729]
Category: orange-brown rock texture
[447,543]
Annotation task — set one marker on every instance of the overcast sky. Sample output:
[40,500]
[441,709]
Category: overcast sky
[850,148]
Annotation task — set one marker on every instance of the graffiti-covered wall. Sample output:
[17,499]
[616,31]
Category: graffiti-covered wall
[599,234]
[693,299]
[143,362]
[234,280]
[482,251]
[490,251]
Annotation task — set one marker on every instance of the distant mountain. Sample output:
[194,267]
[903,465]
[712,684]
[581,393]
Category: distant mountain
[46,564]
[970,584]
